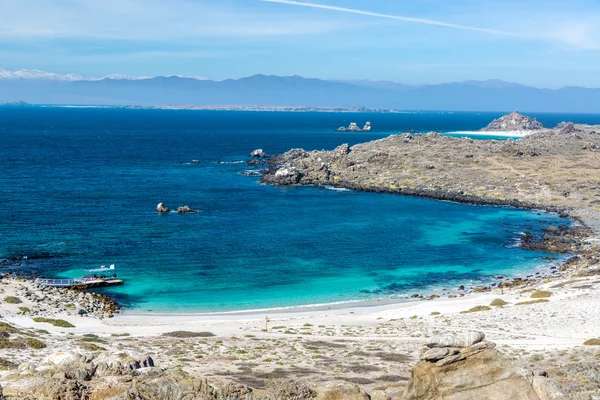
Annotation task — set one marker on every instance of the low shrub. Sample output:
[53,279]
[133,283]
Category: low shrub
[541,294]
[91,346]
[12,300]
[7,364]
[24,310]
[524,303]
[34,343]
[61,323]
[592,342]
[498,303]
[478,309]
[7,329]
[187,334]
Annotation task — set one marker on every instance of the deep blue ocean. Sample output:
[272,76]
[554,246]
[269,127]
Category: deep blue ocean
[79,187]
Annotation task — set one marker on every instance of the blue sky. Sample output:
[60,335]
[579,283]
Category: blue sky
[544,43]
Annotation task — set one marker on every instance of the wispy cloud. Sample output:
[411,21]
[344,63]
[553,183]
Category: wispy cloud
[571,30]
[155,20]
[394,17]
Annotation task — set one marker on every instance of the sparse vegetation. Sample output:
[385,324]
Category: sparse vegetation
[91,346]
[187,334]
[60,323]
[7,329]
[24,310]
[477,309]
[498,303]
[34,343]
[592,342]
[12,300]
[523,303]
[541,294]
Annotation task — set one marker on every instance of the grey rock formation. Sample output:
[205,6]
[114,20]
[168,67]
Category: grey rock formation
[353,127]
[513,122]
[465,339]
[185,210]
[473,372]
[259,153]
[284,176]
[161,208]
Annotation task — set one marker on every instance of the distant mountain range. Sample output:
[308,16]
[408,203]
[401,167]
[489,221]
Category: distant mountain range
[37,87]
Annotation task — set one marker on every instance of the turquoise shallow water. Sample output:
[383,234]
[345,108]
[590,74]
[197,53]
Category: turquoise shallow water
[79,188]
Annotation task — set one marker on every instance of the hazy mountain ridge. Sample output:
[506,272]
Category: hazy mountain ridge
[491,95]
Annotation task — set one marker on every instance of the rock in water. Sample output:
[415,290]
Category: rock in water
[161,208]
[185,210]
[465,339]
[513,122]
[367,127]
[259,153]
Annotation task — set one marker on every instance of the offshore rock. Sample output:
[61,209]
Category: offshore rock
[185,210]
[353,127]
[259,153]
[161,208]
[513,122]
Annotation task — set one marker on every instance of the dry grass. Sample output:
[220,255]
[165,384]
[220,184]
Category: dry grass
[524,303]
[541,294]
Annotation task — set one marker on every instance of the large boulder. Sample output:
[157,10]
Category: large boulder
[341,391]
[473,372]
[513,122]
[465,339]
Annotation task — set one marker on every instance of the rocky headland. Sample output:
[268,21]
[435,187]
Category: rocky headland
[551,169]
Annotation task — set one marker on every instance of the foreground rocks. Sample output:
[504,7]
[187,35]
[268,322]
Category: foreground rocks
[465,367]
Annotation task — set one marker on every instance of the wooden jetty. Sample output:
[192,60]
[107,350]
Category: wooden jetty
[79,283]
[93,280]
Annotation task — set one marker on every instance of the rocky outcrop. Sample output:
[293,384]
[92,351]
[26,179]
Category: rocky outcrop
[82,304]
[283,177]
[353,127]
[259,153]
[185,210]
[161,208]
[343,391]
[465,367]
[513,122]
[525,173]
[558,239]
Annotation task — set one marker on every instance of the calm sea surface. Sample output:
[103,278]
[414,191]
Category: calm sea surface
[78,189]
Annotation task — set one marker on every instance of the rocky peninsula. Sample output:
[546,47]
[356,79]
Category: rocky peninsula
[551,169]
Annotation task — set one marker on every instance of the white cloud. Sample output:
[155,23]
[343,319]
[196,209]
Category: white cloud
[148,20]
